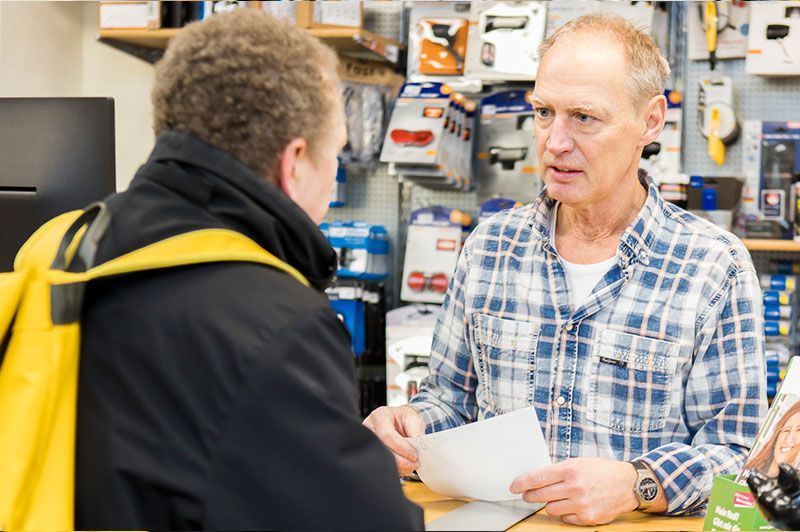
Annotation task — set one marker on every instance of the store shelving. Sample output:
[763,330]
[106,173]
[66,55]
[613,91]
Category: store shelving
[354,42]
[755,244]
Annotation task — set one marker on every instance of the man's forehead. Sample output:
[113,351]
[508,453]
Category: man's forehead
[583,56]
[574,80]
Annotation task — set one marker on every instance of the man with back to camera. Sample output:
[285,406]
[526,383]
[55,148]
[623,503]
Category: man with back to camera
[223,396]
[633,327]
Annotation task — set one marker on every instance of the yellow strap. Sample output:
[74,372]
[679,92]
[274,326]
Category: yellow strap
[195,247]
[40,248]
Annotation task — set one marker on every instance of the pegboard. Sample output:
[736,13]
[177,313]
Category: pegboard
[755,98]
[384,17]
[374,197]
[377,197]
[764,260]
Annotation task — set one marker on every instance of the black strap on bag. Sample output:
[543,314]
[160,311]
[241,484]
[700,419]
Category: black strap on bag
[66,301]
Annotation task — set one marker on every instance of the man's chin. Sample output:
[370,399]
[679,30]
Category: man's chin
[568,194]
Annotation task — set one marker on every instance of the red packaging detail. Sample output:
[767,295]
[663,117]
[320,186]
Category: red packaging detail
[405,137]
[744,499]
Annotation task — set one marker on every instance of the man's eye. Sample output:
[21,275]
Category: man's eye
[584,118]
[542,112]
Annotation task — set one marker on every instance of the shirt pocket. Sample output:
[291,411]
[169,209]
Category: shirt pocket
[506,352]
[631,382]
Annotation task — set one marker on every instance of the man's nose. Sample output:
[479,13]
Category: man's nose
[559,137]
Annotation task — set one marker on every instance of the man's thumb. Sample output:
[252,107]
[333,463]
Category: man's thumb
[413,423]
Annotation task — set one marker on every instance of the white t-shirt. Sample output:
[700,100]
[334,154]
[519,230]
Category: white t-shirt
[581,278]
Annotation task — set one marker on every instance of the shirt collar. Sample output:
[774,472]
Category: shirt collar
[638,237]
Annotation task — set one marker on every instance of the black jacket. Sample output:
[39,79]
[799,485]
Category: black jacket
[222,396]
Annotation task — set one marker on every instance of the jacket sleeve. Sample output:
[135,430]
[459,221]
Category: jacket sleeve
[724,398]
[294,452]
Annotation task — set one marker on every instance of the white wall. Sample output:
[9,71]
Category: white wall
[51,49]
[111,72]
[40,48]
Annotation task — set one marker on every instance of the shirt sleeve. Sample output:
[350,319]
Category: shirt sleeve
[724,398]
[447,396]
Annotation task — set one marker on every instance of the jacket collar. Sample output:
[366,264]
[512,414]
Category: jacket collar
[237,198]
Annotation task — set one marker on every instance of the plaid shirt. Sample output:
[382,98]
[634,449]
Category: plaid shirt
[664,362]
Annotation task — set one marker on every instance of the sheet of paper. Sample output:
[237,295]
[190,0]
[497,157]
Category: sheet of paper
[482,515]
[481,460]
[791,381]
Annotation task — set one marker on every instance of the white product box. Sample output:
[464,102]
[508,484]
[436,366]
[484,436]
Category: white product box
[773,43]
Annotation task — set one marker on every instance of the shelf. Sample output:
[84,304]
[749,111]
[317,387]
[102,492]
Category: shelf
[755,244]
[148,38]
[352,42]
[359,43]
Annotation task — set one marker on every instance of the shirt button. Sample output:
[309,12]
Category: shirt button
[560,401]
[568,327]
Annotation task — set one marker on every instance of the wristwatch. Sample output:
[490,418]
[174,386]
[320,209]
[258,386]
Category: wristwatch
[647,485]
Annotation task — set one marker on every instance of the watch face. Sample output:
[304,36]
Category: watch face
[648,489]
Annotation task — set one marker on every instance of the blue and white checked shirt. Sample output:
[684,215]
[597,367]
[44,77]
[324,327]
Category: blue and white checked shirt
[664,362]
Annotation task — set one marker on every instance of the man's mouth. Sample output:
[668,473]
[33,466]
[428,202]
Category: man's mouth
[564,171]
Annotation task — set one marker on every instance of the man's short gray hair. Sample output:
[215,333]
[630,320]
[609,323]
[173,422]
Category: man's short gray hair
[649,70]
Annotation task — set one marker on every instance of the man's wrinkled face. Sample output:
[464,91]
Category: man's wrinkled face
[588,130]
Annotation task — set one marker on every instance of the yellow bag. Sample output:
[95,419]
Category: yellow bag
[40,306]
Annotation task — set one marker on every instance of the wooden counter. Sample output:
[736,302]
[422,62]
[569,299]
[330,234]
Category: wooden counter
[436,505]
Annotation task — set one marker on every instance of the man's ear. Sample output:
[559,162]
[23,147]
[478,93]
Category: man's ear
[286,171]
[655,115]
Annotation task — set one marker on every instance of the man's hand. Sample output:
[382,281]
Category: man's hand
[582,491]
[391,425]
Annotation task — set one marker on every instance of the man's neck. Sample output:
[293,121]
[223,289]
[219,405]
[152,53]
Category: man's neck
[590,234]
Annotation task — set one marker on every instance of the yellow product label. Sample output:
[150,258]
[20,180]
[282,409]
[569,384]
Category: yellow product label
[783,329]
[529,169]
[784,299]
[790,284]
[430,152]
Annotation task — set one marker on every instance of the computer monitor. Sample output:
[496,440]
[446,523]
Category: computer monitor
[56,155]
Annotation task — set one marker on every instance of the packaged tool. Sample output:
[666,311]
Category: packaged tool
[771,165]
[492,206]
[773,39]
[409,334]
[433,243]
[506,161]
[415,129]
[362,248]
[504,43]
[437,41]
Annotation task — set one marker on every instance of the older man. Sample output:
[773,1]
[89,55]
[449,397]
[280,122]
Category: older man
[634,328]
